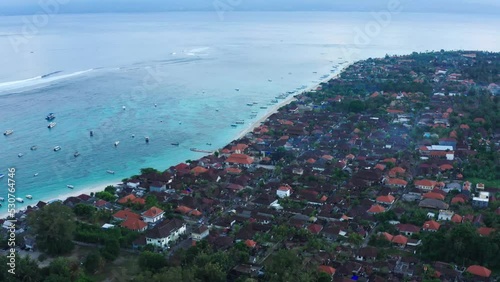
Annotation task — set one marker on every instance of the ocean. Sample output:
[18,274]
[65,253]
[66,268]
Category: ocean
[176,77]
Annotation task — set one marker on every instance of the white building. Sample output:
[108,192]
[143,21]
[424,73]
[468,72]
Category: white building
[153,215]
[163,234]
[445,215]
[284,191]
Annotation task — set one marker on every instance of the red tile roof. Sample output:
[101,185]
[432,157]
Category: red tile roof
[326,269]
[396,181]
[431,225]
[376,209]
[485,231]
[433,195]
[134,224]
[126,214]
[389,199]
[152,212]
[426,182]
[183,209]
[240,159]
[456,218]
[199,170]
[250,243]
[479,270]
[315,228]
[400,239]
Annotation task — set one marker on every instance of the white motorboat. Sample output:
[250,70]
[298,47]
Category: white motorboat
[70,186]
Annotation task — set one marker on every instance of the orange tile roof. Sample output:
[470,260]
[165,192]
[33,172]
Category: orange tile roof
[183,209]
[485,231]
[134,224]
[152,212]
[400,239]
[426,183]
[196,213]
[250,243]
[396,181]
[376,209]
[389,199]
[479,270]
[433,195]
[233,170]
[326,269]
[389,160]
[311,160]
[431,225]
[126,214]
[457,199]
[456,218]
[387,236]
[446,167]
[198,170]
[240,159]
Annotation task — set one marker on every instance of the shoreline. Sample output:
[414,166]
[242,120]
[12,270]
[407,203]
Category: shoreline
[287,101]
[97,187]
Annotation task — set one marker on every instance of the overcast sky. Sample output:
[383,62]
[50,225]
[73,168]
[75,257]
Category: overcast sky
[13,7]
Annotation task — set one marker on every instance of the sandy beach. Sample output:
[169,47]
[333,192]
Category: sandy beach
[70,193]
[100,186]
[287,101]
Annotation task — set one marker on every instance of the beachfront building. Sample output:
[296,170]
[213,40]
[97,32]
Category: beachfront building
[163,234]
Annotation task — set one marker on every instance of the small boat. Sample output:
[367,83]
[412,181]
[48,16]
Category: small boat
[35,175]
[174,143]
[76,154]
[29,197]
[33,148]
[249,104]
[50,117]
[91,133]
[237,89]
[110,171]
[209,144]
[254,112]
[240,122]
[70,186]
[200,151]
[124,107]
[116,143]
[147,139]
[8,132]
[270,80]
[133,135]
[253,116]
[274,101]
[57,148]
[234,125]
[2,199]
[20,200]
[51,125]
[263,107]
[255,103]
[20,155]
[155,105]
[1,175]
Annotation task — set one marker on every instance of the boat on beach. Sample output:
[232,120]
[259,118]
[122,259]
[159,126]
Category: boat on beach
[51,125]
[8,132]
[50,117]
[110,171]
[70,186]
[200,150]
[57,148]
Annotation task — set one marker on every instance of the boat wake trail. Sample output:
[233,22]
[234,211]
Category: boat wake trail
[38,80]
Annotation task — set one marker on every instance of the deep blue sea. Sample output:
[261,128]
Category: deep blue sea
[176,75]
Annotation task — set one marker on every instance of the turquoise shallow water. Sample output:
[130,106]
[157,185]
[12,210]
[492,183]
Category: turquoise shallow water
[189,65]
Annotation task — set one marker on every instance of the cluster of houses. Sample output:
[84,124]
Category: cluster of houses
[325,172]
